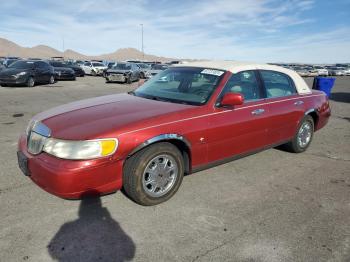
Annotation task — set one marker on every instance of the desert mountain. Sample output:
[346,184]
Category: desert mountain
[8,48]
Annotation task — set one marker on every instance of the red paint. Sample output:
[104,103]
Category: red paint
[232,99]
[214,133]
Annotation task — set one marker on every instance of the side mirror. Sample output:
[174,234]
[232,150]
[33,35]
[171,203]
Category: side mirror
[232,99]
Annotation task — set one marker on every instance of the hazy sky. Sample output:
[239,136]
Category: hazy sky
[255,30]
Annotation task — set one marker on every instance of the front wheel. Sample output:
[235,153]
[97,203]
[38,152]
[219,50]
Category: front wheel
[154,174]
[93,73]
[303,136]
[52,80]
[30,82]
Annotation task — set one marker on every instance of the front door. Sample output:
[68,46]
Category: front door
[242,129]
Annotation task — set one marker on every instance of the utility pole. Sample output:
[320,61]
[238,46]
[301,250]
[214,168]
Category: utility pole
[143,53]
[63,47]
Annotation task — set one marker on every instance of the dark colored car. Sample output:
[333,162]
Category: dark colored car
[77,69]
[123,72]
[62,71]
[28,73]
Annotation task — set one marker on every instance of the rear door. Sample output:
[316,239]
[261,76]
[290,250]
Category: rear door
[242,129]
[45,71]
[39,77]
[285,106]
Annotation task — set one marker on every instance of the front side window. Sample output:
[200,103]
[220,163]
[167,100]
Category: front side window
[245,83]
[277,84]
[190,85]
[97,64]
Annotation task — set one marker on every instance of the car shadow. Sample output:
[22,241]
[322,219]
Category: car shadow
[94,236]
[340,97]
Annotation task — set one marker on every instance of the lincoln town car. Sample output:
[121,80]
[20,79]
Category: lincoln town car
[187,118]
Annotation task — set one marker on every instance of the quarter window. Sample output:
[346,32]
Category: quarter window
[277,84]
[244,83]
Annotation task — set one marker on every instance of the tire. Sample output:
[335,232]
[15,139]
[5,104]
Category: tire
[138,183]
[30,82]
[142,75]
[52,80]
[93,73]
[128,80]
[297,145]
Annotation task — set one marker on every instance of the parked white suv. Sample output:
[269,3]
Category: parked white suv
[93,68]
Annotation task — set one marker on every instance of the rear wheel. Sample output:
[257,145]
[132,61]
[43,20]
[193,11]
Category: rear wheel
[128,80]
[303,136]
[30,82]
[154,174]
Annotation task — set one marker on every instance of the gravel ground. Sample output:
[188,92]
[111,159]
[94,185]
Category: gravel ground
[272,206]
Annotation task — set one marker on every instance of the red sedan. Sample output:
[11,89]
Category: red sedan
[185,119]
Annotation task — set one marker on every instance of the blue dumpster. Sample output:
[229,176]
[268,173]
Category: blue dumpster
[324,84]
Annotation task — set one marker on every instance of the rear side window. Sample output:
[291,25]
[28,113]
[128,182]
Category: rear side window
[244,83]
[277,84]
[42,65]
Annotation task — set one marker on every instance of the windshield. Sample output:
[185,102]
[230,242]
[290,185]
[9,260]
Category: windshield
[97,64]
[22,65]
[181,85]
[122,66]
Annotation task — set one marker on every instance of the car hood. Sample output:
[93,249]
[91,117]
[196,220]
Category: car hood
[12,71]
[106,116]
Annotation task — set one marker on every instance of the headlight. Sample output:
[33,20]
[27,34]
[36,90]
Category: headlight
[78,150]
[20,74]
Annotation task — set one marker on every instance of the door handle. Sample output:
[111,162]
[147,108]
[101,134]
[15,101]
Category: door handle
[298,103]
[258,111]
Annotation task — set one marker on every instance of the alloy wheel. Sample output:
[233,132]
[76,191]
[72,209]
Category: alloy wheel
[160,175]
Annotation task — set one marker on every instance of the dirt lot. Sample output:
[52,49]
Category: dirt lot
[272,206]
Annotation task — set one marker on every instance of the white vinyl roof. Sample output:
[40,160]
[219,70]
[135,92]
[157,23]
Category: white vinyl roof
[235,67]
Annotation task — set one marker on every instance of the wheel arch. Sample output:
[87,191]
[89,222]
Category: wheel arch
[177,140]
[314,114]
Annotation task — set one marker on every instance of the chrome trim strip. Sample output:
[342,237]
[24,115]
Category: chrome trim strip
[41,129]
[311,110]
[225,111]
[163,137]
